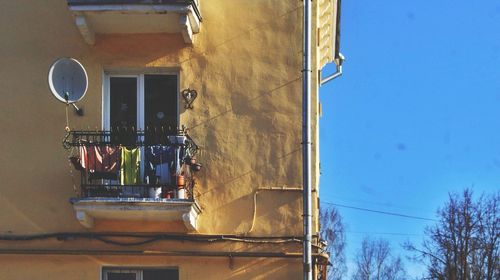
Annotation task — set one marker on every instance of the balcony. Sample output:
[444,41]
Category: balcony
[134,175]
[135,17]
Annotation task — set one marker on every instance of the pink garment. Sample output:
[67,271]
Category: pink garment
[83,156]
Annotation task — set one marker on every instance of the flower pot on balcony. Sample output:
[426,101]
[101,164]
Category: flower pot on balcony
[181,193]
[168,193]
[181,181]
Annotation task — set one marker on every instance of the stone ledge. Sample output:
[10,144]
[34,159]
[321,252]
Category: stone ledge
[136,209]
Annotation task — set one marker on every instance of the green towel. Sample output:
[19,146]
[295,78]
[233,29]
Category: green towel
[129,168]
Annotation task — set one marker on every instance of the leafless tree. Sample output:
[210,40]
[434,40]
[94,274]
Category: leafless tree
[464,243]
[374,261]
[333,232]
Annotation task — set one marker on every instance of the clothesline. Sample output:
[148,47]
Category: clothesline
[154,168]
[131,139]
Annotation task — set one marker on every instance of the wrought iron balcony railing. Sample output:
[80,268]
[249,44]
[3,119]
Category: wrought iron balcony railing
[125,164]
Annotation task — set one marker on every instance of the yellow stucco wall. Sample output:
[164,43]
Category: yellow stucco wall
[246,66]
[89,267]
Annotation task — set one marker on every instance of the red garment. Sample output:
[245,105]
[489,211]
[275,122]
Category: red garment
[100,158]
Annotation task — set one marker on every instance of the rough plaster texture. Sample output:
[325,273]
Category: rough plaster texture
[246,66]
[89,267]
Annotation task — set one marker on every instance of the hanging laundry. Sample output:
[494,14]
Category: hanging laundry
[83,156]
[159,160]
[101,162]
[129,169]
[78,161]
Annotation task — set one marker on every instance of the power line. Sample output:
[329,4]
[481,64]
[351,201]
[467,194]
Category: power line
[385,233]
[380,212]
[399,207]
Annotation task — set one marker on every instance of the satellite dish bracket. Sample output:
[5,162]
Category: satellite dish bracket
[79,111]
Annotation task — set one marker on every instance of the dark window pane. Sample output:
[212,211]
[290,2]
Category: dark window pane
[160,274]
[123,109]
[160,94]
[121,276]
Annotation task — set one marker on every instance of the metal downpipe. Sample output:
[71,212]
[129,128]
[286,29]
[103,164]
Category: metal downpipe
[306,142]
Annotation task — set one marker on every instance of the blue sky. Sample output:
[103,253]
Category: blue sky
[416,114]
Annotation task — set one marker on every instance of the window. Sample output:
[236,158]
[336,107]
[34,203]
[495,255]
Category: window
[146,102]
[141,108]
[140,274]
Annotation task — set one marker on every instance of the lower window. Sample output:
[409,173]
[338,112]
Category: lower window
[140,274]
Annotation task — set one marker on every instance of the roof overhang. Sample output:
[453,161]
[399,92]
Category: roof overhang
[328,32]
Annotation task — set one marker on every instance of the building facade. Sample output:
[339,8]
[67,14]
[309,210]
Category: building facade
[214,87]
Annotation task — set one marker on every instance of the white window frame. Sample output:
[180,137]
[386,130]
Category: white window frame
[139,75]
[138,272]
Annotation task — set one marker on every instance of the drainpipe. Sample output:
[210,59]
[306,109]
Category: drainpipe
[338,61]
[306,142]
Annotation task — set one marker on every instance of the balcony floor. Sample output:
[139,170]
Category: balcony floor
[143,209]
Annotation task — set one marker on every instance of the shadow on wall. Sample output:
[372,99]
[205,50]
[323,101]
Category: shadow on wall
[158,48]
[138,49]
[267,213]
[102,225]
[268,93]
[25,208]
[235,180]
[265,269]
[215,140]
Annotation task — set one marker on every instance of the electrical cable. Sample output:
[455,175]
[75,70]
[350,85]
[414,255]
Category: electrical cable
[114,242]
[67,128]
[380,212]
[149,238]
[370,203]
[384,233]
[320,257]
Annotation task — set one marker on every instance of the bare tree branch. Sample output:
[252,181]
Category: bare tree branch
[464,243]
[374,261]
[333,232]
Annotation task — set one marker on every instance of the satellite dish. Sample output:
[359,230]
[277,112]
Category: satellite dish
[68,80]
